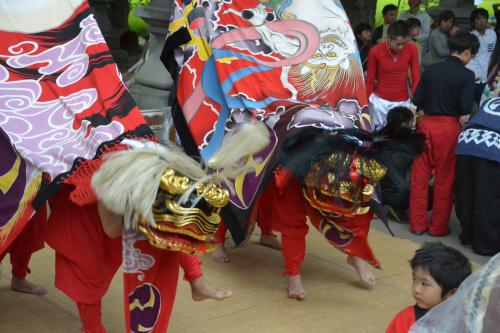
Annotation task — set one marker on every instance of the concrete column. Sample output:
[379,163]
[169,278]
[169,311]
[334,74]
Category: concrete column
[461,8]
[153,83]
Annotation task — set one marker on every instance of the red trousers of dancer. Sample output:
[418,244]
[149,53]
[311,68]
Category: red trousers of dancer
[285,205]
[28,242]
[86,258]
[191,265]
[439,157]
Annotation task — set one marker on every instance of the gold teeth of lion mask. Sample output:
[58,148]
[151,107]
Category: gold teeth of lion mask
[180,227]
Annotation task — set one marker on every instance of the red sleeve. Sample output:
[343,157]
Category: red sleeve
[372,69]
[415,68]
[402,322]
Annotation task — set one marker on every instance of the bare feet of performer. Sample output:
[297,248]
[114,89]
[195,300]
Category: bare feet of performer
[201,291]
[362,269]
[220,254]
[295,288]
[24,286]
[270,241]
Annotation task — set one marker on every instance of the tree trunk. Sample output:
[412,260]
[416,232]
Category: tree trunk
[360,11]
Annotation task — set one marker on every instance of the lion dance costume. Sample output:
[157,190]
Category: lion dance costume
[294,66]
[65,113]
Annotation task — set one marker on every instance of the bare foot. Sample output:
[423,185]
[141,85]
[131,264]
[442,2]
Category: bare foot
[201,291]
[24,286]
[270,241]
[295,288]
[362,269]
[220,254]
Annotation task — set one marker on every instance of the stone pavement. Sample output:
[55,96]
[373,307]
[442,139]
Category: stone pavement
[336,300]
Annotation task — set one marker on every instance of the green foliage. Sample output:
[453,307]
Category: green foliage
[403,5]
[136,24]
[139,3]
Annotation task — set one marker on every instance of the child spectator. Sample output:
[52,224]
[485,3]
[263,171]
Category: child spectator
[446,94]
[487,40]
[389,13]
[437,270]
[363,33]
[400,145]
[415,28]
[472,309]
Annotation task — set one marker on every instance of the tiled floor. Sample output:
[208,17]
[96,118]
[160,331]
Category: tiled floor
[336,301]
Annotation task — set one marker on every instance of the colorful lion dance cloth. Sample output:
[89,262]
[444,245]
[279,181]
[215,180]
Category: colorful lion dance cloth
[289,64]
[57,111]
[64,109]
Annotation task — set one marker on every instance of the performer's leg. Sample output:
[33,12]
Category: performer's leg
[220,254]
[419,192]
[200,290]
[265,207]
[289,218]
[294,250]
[86,258]
[28,242]
[485,227]
[357,249]
[445,136]
[465,197]
[91,317]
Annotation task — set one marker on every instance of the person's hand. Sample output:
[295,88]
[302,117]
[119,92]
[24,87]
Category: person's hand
[463,120]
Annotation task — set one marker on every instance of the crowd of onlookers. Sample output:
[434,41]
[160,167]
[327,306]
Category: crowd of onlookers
[427,80]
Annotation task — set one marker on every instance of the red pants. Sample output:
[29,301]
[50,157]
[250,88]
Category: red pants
[439,156]
[28,242]
[191,265]
[287,215]
[86,258]
[289,212]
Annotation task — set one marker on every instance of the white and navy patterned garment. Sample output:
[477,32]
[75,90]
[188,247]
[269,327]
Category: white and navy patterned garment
[481,137]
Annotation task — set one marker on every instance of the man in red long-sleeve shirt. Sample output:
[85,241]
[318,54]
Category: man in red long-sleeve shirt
[388,65]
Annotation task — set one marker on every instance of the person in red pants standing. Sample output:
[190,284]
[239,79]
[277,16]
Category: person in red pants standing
[446,94]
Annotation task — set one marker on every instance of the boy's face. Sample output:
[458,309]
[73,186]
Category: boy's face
[425,290]
[366,35]
[390,17]
[398,43]
[415,32]
[447,25]
[480,23]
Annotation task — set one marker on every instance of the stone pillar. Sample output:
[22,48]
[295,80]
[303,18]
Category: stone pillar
[461,8]
[112,27]
[153,83]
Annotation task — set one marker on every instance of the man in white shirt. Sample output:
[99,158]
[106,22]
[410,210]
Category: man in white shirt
[424,18]
[487,40]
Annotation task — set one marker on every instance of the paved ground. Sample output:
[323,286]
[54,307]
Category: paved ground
[336,301]
[403,231]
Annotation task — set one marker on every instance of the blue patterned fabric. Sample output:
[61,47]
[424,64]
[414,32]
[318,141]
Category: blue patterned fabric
[481,137]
